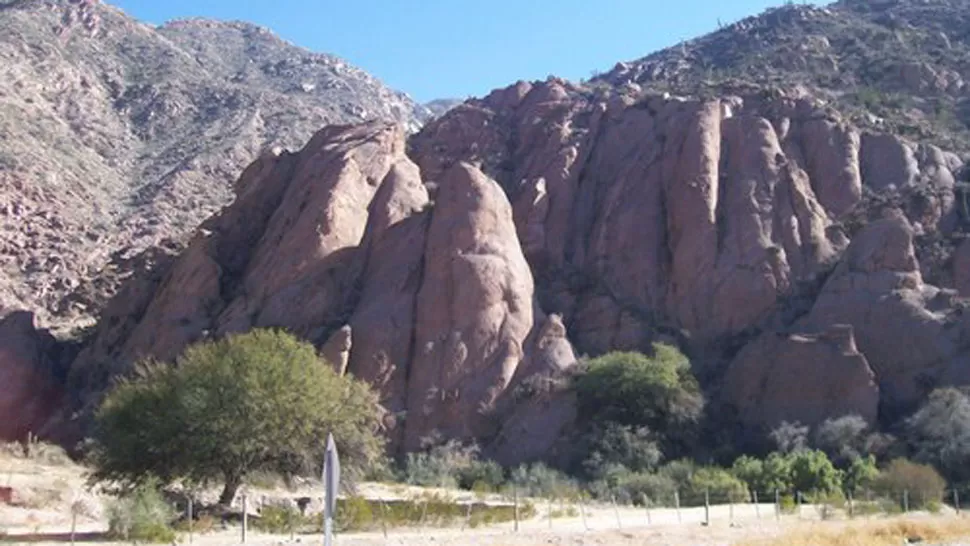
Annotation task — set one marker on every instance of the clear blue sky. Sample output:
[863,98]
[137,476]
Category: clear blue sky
[456,48]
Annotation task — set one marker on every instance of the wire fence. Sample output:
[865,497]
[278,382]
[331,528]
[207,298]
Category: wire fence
[513,512]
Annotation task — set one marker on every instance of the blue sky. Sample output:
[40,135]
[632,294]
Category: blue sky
[458,48]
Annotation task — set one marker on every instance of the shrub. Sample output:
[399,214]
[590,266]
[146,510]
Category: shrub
[354,513]
[627,446]
[440,465]
[278,519]
[922,483]
[939,433]
[142,515]
[644,489]
[538,480]
[478,474]
[719,484]
[860,475]
[790,437]
[261,401]
[813,472]
[842,439]
[679,471]
[657,391]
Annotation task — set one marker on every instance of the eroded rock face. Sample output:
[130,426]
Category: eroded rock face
[30,374]
[339,244]
[804,378]
[469,343]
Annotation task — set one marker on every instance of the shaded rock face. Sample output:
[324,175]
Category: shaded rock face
[30,373]
[804,378]
[338,244]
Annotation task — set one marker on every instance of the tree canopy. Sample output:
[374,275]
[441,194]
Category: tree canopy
[260,401]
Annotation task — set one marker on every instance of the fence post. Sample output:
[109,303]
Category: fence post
[191,516]
[73,525]
[956,500]
[550,513]
[730,509]
[616,511]
[777,505]
[245,516]
[707,507]
[851,506]
[646,503]
[757,508]
[515,500]
[677,505]
[905,501]
[582,511]
[384,515]
[798,499]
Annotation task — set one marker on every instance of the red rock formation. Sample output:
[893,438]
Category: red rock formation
[31,390]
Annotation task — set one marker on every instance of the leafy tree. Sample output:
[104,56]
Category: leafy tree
[657,391]
[749,470]
[843,439]
[939,433]
[860,475]
[261,401]
[774,473]
[813,472]
[790,437]
[719,484]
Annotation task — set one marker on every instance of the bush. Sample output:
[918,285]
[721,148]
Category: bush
[615,445]
[812,472]
[658,392]
[142,515]
[939,433]
[842,439]
[922,483]
[679,471]
[278,519]
[644,489]
[860,475]
[538,480]
[261,401]
[481,475]
[440,465]
[772,474]
[790,437]
[353,514]
[719,484]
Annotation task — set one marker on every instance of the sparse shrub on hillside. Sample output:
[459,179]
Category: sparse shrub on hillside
[538,480]
[261,401]
[719,484]
[645,489]
[922,484]
[615,445]
[440,464]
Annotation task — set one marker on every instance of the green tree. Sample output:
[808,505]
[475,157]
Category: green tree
[860,475]
[774,473]
[813,472]
[260,401]
[721,486]
[657,391]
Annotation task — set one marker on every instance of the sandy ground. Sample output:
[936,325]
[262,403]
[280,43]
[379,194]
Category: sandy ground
[46,491]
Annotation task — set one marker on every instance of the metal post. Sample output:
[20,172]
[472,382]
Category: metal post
[777,505]
[515,494]
[582,511]
[646,503]
[851,506]
[730,510]
[905,501]
[677,505]
[245,517]
[707,507]
[956,500]
[384,516]
[73,525]
[798,499]
[468,517]
[616,511]
[550,513]
[757,508]
[191,517]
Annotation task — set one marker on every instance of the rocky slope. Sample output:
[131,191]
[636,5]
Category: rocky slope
[114,140]
[810,263]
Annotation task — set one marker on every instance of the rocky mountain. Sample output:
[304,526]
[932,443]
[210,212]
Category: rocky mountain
[118,136]
[810,261]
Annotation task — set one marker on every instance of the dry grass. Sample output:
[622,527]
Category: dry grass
[875,533]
